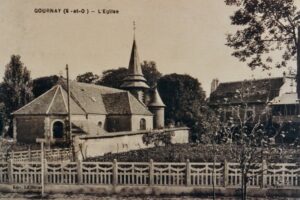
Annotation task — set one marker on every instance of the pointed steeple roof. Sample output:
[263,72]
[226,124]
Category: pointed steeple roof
[156,100]
[134,63]
[135,77]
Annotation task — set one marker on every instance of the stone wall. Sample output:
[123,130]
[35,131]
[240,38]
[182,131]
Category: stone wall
[135,121]
[88,146]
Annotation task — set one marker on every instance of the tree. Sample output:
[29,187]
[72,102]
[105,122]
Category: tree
[43,84]
[87,77]
[113,77]
[246,132]
[151,73]
[184,99]
[266,26]
[16,89]
[2,118]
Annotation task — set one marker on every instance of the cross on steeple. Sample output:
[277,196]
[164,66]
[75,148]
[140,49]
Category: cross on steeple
[134,27]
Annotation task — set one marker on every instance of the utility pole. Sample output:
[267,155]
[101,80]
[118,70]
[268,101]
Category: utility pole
[70,137]
[69,111]
[298,64]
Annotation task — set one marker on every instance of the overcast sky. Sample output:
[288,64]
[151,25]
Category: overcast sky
[181,36]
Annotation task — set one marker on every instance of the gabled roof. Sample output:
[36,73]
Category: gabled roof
[85,99]
[254,91]
[124,103]
[135,77]
[54,101]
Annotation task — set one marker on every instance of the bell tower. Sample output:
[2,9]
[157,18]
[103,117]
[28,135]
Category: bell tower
[135,81]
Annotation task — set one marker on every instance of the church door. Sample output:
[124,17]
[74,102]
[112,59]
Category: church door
[58,129]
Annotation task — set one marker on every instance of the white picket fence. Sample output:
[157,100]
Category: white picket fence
[271,175]
[35,155]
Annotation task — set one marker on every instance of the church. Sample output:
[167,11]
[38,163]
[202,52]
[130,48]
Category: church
[94,110]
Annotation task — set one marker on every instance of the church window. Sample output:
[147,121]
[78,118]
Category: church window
[100,124]
[143,124]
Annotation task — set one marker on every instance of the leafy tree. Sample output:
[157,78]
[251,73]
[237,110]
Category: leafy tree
[266,26]
[16,89]
[2,118]
[247,132]
[43,84]
[113,77]
[87,77]
[151,73]
[184,99]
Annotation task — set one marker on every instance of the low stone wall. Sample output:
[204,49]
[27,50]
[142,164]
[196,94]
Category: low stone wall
[91,146]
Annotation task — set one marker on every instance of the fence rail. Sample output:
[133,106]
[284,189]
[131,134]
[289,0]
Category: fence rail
[225,174]
[35,155]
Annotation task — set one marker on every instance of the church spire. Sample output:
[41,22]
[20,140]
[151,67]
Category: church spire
[134,27]
[135,78]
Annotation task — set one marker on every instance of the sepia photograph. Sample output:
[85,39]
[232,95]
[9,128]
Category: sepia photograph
[150,99]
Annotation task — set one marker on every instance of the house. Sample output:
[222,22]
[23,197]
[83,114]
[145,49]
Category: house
[95,110]
[273,100]
[250,96]
[286,107]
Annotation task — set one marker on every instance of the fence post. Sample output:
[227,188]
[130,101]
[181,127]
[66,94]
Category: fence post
[225,173]
[29,152]
[12,154]
[79,171]
[115,172]
[151,173]
[264,168]
[10,171]
[45,171]
[188,173]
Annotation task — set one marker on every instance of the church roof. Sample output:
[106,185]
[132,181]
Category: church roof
[135,77]
[85,99]
[54,101]
[255,91]
[124,103]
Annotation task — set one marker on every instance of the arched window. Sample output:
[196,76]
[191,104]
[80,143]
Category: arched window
[100,124]
[58,129]
[143,124]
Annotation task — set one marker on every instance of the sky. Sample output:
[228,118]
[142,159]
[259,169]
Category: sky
[181,36]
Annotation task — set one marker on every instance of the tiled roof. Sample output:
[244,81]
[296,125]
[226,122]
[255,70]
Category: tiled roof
[254,91]
[51,102]
[117,103]
[136,107]
[85,99]
[124,103]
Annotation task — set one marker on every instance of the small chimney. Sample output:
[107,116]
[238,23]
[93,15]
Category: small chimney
[214,85]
